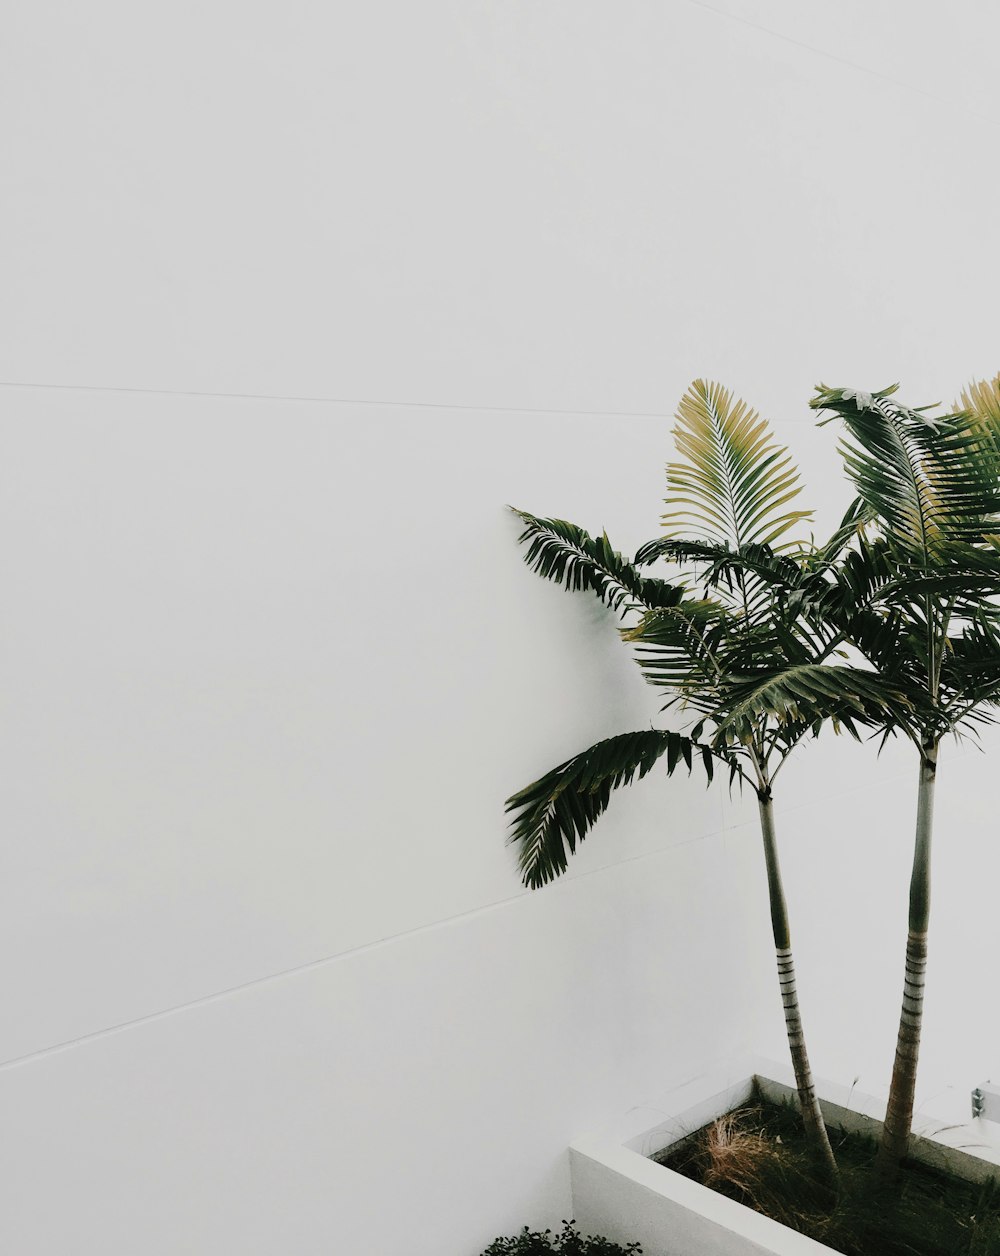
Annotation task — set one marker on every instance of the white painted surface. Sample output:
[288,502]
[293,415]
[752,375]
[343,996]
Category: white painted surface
[442,1070]
[946,57]
[577,206]
[270,672]
[231,751]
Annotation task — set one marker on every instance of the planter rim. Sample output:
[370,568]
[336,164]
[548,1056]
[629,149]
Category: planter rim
[614,1165]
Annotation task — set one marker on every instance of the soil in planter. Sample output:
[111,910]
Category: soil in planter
[758,1156]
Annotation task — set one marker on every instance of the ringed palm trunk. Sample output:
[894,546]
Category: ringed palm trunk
[809,1104]
[899,1110]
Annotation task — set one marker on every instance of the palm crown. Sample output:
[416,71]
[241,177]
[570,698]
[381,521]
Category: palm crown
[734,639]
[914,591]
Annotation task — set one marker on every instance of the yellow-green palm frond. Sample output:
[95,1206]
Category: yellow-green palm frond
[981,401]
[733,481]
[931,483]
[979,405]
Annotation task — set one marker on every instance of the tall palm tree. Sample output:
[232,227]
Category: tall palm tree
[726,642]
[914,595]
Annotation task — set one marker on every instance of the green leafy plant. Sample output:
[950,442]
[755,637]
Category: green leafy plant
[568,1242]
[734,641]
[915,595]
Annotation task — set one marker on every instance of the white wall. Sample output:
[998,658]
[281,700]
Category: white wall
[270,666]
[270,670]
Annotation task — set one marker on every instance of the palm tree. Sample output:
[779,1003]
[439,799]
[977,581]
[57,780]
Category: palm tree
[750,661]
[914,596]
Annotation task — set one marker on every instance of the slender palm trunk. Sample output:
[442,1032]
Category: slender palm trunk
[811,1114]
[899,1110]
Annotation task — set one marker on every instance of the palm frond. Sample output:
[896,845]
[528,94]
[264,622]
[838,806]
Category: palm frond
[980,406]
[970,666]
[565,554]
[558,810]
[805,694]
[734,481]
[932,483]
[856,519]
[980,403]
[679,648]
[717,562]
[859,580]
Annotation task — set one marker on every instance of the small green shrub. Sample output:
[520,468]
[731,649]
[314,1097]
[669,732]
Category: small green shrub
[568,1243]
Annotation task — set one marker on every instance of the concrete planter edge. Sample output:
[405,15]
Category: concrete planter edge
[619,1192]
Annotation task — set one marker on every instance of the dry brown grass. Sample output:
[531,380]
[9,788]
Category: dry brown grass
[740,1158]
[734,1153]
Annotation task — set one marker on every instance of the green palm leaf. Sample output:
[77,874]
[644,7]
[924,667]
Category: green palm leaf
[734,481]
[970,666]
[852,527]
[804,694]
[719,563]
[932,483]
[684,649]
[564,553]
[558,810]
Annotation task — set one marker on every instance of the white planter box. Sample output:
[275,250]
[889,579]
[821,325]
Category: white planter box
[619,1192]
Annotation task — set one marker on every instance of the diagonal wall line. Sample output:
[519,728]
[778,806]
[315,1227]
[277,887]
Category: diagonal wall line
[340,401]
[562,884]
[948,101]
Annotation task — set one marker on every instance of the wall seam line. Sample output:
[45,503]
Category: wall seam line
[948,102]
[216,995]
[339,401]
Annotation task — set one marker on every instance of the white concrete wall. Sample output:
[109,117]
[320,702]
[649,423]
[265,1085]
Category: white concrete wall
[296,298]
